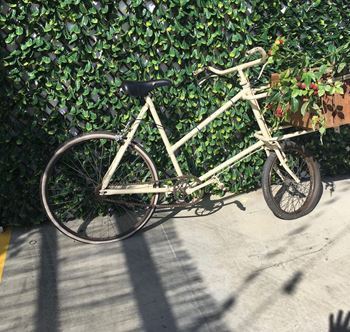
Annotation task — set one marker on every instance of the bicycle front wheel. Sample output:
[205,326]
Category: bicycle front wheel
[71,182]
[285,197]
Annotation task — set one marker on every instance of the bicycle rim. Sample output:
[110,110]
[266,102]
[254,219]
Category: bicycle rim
[71,182]
[287,198]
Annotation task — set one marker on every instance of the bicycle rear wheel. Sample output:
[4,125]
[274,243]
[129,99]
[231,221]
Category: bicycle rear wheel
[71,182]
[285,197]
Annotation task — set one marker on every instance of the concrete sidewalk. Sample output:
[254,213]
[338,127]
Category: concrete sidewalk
[226,265]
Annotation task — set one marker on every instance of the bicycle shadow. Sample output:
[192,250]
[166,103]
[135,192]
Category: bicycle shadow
[207,206]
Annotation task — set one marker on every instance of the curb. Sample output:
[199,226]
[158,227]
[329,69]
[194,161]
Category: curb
[5,237]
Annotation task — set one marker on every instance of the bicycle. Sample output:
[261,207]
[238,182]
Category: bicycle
[101,187]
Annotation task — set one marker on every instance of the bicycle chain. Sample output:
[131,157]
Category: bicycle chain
[186,204]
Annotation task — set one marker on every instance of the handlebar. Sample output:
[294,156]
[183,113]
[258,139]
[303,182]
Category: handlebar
[239,67]
[258,50]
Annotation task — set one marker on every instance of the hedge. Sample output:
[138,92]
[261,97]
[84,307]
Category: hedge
[63,63]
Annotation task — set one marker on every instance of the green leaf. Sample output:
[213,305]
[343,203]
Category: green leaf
[46,59]
[84,20]
[47,27]
[307,77]
[304,107]
[172,52]
[10,38]
[322,130]
[73,38]
[295,104]
[295,93]
[341,66]
[323,69]
[339,90]
[88,126]
[19,31]
[321,90]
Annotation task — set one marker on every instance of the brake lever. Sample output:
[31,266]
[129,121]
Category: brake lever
[262,70]
[208,75]
[206,78]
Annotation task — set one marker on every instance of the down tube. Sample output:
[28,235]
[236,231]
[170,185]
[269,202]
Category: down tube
[205,122]
[232,160]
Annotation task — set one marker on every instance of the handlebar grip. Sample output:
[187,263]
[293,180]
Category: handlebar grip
[259,50]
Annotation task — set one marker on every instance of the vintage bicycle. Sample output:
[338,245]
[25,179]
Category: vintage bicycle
[101,187]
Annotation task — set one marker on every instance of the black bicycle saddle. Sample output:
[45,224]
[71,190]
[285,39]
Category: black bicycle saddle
[142,89]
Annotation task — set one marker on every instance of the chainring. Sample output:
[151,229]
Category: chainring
[180,195]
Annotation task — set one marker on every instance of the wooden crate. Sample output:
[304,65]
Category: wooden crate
[336,109]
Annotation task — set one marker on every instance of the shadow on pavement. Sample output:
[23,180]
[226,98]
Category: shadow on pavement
[48,305]
[289,288]
[146,283]
[169,292]
[339,324]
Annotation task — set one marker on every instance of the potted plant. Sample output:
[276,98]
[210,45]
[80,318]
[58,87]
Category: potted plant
[307,95]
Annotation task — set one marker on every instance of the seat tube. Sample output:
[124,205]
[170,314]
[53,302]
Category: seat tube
[164,136]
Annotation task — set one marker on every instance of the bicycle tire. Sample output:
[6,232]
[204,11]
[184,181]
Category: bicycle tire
[71,181]
[306,168]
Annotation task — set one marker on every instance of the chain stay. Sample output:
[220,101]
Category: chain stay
[177,189]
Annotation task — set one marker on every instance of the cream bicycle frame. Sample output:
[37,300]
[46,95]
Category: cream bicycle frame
[265,140]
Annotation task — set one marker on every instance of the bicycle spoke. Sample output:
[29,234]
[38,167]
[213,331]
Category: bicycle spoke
[96,162]
[71,208]
[83,175]
[101,163]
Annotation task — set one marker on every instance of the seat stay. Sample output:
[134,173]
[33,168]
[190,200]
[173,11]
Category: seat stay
[115,163]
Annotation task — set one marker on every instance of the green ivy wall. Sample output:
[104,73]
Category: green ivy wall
[62,63]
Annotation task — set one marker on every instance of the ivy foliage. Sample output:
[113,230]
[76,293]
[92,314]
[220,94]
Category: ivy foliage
[63,63]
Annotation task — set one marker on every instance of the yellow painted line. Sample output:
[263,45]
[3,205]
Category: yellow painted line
[4,244]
